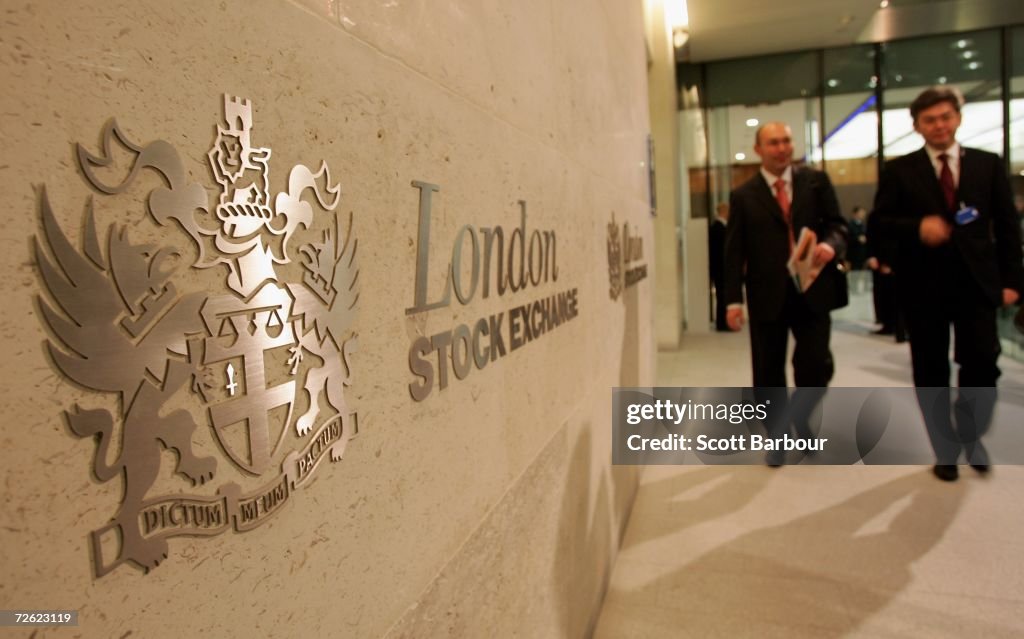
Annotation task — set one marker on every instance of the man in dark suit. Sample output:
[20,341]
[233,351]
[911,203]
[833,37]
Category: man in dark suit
[716,262]
[958,259]
[767,214]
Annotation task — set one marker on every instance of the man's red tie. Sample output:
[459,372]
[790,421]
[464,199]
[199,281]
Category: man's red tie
[946,182]
[783,199]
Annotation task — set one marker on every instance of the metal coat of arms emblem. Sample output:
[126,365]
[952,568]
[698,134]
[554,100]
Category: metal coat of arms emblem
[614,260]
[261,364]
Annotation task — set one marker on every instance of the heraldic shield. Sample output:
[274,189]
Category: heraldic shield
[253,375]
[247,332]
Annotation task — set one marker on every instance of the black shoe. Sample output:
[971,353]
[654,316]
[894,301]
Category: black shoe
[885,330]
[775,458]
[946,472]
[901,337]
[977,457]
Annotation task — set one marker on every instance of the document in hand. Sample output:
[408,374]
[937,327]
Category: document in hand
[801,262]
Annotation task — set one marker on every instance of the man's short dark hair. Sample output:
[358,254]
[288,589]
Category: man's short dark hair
[936,95]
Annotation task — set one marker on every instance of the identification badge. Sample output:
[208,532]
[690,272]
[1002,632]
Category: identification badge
[966,214]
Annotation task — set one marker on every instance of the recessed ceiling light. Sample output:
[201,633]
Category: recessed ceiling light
[832,82]
[967,55]
[943,79]
[963,44]
[884,4]
[741,156]
[753,122]
[973,66]
[680,37]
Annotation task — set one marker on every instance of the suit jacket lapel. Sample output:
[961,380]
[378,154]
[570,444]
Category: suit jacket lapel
[968,167]
[797,209]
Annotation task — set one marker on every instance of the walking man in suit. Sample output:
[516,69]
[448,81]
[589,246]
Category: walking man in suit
[767,214]
[958,259]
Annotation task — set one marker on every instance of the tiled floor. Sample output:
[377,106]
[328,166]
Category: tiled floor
[818,551]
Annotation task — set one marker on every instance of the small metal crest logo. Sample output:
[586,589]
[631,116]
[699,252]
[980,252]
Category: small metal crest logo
[624,250]
[614,260]
[261,365]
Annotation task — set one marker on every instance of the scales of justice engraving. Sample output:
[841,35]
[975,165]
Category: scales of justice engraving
[263,364]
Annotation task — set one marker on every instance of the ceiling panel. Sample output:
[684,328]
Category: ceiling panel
[739,28]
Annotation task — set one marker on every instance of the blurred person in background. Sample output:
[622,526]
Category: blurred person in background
[716,262]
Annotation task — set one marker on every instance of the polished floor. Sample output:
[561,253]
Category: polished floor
[818,551]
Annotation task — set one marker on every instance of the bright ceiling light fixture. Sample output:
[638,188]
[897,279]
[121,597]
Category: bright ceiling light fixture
[741,156]
[677,14]
[753,122]
[678,17]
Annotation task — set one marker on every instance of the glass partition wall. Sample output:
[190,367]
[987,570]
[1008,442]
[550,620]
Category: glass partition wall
[972,62]
[744,94]
[848,109]
[1013,341]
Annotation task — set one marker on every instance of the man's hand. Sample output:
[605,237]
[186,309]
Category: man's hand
[934,230]
[872,263]
[823,254]
[1010,296]
[734,318]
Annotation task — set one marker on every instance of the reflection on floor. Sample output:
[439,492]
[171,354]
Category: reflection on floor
[882,551]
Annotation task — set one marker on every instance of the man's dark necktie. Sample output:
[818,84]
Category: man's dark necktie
[946,182]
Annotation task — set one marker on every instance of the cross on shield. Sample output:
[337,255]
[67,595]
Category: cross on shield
[246,331]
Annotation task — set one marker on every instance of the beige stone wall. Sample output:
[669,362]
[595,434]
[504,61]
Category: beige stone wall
[488,508]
